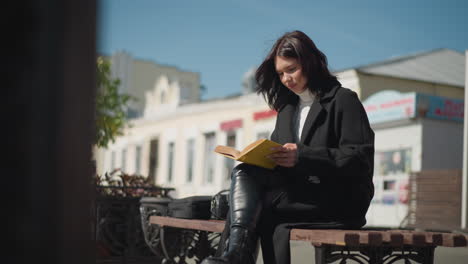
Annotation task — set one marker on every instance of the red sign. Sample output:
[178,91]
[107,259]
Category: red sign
[264,114]
[450,109]
[390,104]
[230,125]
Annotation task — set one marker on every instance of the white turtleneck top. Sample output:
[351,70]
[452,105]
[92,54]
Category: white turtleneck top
[306,98]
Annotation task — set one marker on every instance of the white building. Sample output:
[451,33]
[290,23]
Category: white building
[172,142]
[413,132]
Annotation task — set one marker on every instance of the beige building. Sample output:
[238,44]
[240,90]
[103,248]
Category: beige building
[172,141]
[139,76]
[438,72]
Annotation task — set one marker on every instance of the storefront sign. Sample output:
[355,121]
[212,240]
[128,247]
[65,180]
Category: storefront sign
[392,105]
[264,114]
[440,107]
[230,125]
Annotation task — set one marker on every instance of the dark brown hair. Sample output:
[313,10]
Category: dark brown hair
[298,45]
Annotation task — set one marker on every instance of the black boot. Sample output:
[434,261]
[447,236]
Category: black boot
[242,248]
[244,210]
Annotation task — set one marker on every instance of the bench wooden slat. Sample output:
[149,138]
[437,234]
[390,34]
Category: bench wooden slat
[351,239]
[419,240]
[395,240]
[195,224]
[326,236]
[318,237]
[454,240]
[434,238]
[375,238]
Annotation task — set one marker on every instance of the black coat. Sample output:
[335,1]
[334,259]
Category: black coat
[335,154]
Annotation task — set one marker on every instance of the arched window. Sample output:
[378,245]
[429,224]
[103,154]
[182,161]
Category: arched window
[163,97]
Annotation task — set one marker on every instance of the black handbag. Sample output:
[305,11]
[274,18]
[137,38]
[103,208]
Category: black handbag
[193,207]
[220,205]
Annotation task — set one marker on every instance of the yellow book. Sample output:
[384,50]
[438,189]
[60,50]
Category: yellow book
[254,153]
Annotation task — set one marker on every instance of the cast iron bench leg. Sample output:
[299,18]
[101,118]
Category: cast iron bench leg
[320,254]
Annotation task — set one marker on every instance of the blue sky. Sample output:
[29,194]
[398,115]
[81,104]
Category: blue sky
[222,39]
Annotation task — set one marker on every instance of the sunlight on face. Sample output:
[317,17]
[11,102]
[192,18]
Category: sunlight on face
[290,73]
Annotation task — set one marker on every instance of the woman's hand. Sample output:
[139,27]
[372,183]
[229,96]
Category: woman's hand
[285,155]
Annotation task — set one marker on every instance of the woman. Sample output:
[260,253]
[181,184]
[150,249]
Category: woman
[325,164]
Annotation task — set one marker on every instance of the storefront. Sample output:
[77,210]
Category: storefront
[413,132]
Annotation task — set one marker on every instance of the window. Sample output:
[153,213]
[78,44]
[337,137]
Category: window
[124,160]
[263,135]
[170,167]
[190,158]
[137,160]
[163,97]
[112,163]
[209,155]
[229,163]
[393,162]
[185,92]
[153,159]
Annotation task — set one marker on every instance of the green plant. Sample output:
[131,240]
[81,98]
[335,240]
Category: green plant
[111,106]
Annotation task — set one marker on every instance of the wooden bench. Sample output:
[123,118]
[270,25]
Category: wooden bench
[362,246]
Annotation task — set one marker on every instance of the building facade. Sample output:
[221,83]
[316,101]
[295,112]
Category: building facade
[139,76]
[413,132]
[172,141]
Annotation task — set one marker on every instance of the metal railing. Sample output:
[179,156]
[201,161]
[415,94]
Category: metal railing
[118,224]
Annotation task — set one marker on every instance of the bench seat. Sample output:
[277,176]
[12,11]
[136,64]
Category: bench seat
[373,246]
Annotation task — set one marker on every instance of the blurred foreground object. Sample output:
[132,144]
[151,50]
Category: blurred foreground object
[118,228]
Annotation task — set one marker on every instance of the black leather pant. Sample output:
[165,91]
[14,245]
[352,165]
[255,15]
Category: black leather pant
[247,188]
[256,192]
[253,193]
[259,202]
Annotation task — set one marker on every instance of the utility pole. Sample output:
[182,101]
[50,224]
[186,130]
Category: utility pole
[464,220]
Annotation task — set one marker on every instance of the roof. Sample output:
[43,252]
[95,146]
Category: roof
[443,66]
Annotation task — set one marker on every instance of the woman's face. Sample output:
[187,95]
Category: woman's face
[290,73]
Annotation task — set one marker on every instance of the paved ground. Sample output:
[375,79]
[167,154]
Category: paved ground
[303,253]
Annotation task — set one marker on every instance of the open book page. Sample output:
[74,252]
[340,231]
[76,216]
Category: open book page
[256,154]
[252,146]
[228,152]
